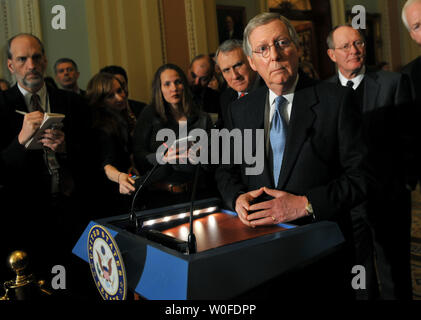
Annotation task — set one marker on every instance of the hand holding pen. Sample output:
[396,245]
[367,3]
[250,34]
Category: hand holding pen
[31,123]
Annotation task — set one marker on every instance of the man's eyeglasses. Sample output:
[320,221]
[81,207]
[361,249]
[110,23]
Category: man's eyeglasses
[359,44]
[264,50]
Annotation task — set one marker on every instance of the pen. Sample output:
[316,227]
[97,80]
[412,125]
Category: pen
[20,112]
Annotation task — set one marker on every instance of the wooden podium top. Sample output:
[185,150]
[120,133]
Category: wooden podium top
[219,229]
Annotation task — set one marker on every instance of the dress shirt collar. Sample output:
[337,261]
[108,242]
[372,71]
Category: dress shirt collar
[357,80]
[42,93]
[289,96]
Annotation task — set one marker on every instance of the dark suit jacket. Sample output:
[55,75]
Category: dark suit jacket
[40,224]
[207,99]
[324,156]
[229,95]
[137,107]
[386,125]
[22,165]
[413,70]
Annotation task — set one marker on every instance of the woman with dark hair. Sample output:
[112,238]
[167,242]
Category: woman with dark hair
[173,108]
[112,130]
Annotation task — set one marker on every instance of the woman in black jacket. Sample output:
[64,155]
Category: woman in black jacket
[113,127]
[173,108]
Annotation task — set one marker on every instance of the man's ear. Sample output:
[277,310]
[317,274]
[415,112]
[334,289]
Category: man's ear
[411,33]
[10,66]
[331,54]
[251,63]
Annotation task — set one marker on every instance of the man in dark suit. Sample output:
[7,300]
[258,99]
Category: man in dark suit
[240,78]
[411,17]
[314,167]
[201,72]
[67,74]
[135,106]
[39,185]
[384,99]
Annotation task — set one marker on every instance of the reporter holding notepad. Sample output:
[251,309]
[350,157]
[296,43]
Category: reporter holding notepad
[38,185]
[172,108]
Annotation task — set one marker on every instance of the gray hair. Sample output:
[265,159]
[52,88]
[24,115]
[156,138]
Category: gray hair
[406,5]
[263,19]
[329,39]
[228,46]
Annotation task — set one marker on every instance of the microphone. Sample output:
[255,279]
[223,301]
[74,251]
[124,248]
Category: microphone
[132,214]
[191,239]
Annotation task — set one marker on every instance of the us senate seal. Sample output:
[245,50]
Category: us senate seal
[106,264]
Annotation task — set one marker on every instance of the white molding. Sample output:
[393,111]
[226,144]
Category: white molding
[162,31]
[190,28]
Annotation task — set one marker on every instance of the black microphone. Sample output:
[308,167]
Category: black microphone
[132,215]
[191,239]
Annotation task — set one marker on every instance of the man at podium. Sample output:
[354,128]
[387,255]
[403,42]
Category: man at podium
[314,161]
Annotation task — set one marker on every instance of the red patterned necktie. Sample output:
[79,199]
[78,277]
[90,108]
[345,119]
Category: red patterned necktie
[242,94]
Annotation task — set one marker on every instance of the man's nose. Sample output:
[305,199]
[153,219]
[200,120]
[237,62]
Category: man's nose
[235,74]
[275,53]
[354,49]
[30,63]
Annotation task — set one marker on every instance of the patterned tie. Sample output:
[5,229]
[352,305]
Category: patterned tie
[49,155]
[242,94]
[278,137]
[36,103]
[350,84]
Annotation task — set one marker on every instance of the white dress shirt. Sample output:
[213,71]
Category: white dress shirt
[42,93]
[289,96]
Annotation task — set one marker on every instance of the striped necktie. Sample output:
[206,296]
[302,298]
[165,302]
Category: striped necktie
[36,103]
[278,137]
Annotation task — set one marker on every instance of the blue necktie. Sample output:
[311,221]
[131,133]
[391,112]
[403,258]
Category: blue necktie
[278,137]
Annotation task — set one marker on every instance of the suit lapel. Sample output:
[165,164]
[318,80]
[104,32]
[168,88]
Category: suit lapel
[255,115]
[416,75]
[17,100]
[53,100]
[302,118]
[371,91]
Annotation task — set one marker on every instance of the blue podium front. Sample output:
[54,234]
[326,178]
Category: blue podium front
[154,266]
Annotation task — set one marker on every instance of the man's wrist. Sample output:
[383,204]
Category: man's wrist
[309,209]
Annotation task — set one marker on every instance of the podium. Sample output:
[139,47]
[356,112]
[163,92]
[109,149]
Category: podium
[154,263]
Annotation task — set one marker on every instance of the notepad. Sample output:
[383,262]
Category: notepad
[50,119]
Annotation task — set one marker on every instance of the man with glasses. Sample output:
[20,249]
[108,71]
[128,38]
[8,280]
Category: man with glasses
[411,17]
[384,100]
[314,156]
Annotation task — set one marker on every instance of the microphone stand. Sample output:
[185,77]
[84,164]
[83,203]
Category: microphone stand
[191,240]
[132,215]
